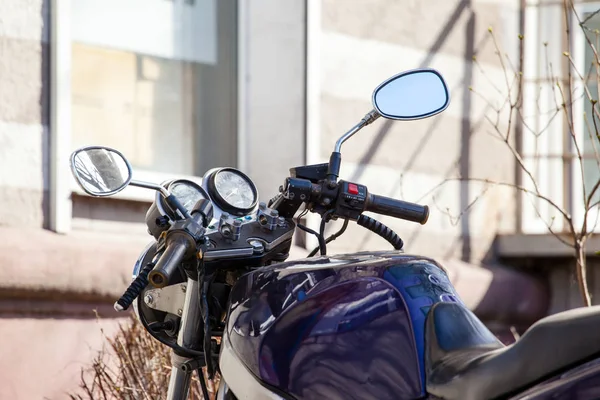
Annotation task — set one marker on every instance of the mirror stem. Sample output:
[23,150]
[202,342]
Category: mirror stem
[335,161]
[176,205]
[169,198]
[148,185]
[368,118]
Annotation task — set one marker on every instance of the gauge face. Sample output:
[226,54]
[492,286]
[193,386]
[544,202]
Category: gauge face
[187,194]
[235,190]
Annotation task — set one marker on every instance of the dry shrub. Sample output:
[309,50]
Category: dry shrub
[133,365]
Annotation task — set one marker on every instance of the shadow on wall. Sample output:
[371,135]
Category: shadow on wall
[466,128]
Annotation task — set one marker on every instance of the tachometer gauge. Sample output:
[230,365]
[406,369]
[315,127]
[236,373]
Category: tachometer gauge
[188,193]
[233,191]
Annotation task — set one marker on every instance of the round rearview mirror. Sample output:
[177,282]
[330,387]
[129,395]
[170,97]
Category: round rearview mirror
[411,95]
[100,171]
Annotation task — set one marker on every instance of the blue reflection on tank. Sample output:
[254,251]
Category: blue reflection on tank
[421,284]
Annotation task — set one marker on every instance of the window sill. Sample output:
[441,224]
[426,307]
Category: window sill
[539,246]
[133,193]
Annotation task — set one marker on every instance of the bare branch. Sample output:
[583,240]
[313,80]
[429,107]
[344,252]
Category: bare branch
[548,200]
[554,112]
[500,58]
[591,232]
[582,23]
[584,28]
[484,74]
[549,226]
[454,220]
[591,136]
[585,88]
[569,118]
[595,204]
[591,194]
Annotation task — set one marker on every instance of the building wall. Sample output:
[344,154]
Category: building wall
[274,96]
[24,119]
[563,283]
[544,255]
[32,311]
[56,285]
[363,43]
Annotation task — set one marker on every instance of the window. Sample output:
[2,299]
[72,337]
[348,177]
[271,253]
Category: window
[156,79]
[135,103]
[586,65]
[550,154]
[145,75]
[591,170]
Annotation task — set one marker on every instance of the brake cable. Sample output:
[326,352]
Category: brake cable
[322,245]
[332,237]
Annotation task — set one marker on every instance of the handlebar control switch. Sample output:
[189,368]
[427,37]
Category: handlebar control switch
[229,227]
[294,192]
[351,200]
[267,217]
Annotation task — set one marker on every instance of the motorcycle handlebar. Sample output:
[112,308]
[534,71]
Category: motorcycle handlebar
[168,263]
[397,208]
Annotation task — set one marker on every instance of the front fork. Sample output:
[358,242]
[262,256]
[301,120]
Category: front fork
[188,337]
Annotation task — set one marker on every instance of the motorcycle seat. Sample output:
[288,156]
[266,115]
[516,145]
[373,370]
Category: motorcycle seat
[464,360]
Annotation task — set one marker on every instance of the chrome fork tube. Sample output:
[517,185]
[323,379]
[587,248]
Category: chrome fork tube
[188,337]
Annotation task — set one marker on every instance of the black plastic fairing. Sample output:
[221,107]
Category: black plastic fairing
[313,173]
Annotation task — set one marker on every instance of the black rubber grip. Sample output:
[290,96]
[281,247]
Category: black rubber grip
[136,287]
[397,208]
[169,262]
[382,230]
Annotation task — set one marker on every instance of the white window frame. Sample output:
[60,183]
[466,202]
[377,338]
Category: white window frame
[313,101]
[63,185]
[60,116]
[242,79]
[544,168]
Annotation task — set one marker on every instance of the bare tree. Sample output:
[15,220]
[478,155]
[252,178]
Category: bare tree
[508,114]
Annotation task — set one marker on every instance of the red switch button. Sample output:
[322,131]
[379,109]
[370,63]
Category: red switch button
[352,188]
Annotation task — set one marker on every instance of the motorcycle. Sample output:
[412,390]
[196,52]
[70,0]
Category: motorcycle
[214,285]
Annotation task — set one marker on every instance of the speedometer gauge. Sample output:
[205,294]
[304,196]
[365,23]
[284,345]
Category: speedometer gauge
[233,191]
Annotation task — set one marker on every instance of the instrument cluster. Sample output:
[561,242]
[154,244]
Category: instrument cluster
[241,231]
[229,190]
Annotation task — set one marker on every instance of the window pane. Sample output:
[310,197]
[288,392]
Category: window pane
[591,142]
[147,79]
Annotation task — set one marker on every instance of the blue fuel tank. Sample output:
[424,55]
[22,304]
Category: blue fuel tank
[343,327]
